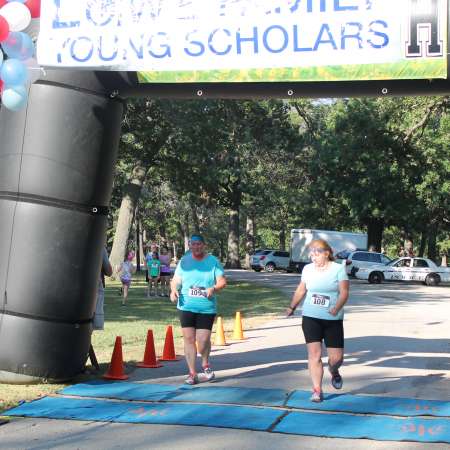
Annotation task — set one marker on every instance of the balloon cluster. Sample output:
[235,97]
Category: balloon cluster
[17,50]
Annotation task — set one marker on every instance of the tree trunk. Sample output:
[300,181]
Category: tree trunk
[195,220]
[249,240]
[126,212]
[432,233]
[423,243]
[186,232]
[233,261]
[375,228]
[138,240]
[282,238]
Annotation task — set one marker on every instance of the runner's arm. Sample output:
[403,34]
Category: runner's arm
[220,283]
[175,285]
[342,298]
[298,296]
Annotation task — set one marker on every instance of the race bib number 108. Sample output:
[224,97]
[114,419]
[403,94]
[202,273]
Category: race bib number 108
[320,300]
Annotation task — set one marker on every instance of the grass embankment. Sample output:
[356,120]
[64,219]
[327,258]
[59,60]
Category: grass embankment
[256,303]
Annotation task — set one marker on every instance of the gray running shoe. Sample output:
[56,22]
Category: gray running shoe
[316,396]
[191,379]
[208,374]
[336,380]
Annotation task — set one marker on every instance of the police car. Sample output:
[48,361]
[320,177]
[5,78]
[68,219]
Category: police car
[406,269]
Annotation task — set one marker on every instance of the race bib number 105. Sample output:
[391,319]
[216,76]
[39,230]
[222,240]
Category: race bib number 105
[320,300]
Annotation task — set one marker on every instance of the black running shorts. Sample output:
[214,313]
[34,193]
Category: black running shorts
[329,331]
[198,321]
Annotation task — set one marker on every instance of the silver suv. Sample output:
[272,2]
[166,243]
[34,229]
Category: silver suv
[354,260]
[270,260]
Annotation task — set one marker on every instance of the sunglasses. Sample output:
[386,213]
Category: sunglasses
[317,250]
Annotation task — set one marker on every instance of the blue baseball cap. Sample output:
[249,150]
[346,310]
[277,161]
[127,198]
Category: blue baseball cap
[197,238]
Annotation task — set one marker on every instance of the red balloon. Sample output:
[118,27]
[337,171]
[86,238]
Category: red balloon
[3,2]
[34,6]
[4,29]
[1,86]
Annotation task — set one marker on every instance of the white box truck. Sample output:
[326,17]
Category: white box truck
[338,240]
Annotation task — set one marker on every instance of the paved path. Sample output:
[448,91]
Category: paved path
[397,344]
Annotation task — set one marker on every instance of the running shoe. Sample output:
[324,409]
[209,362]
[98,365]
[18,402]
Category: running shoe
[208,374]
[191,379]
[336,380]
[316,396]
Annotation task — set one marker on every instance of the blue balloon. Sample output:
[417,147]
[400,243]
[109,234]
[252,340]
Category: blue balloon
[27,49]
[14,97]
[13,44]
[14,72]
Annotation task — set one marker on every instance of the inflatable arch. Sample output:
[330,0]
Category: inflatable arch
[57,155]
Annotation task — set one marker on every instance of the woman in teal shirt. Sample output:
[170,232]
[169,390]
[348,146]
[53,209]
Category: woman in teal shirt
[325,287]
[197,278]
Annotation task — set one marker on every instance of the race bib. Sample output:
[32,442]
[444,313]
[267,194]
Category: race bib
[320,300]
[197,292]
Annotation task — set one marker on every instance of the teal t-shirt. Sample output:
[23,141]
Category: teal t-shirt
[154,266]
[322,291]
[196,276]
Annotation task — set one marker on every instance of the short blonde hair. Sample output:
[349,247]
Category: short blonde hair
[322,243]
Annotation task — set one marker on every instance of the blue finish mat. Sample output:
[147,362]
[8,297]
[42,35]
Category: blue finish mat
[162,392]
[122,390]
[240,417]
[369,427]
[364,404]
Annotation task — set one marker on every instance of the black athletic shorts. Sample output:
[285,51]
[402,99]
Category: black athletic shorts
[318,330]
[198,321]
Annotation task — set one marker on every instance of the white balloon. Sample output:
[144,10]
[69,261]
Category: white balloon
[17,15]
[1,57]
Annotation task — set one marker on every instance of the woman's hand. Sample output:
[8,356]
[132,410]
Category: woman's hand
[290,311]
[333,311]
[174,296]
[210,292]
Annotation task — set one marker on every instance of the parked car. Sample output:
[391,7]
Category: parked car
[270,260]
[406,269]
[356,259]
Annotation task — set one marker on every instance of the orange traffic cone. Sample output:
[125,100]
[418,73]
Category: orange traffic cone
[115,370]
[149,361]
[220,335]
[238,334]
[169,346]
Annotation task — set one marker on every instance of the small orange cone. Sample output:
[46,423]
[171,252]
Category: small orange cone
[149,361]
[115,370]
[220,335]
[238,334]
[169,346]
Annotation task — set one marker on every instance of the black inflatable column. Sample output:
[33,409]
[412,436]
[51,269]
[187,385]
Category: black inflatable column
[56,170]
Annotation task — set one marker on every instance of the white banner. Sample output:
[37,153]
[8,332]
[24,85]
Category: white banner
[250,36]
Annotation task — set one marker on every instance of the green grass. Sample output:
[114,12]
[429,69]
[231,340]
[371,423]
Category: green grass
[257,304]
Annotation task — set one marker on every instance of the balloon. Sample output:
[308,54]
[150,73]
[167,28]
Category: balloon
[20,1]
[14,72]
[35,8]
[27,49]
[2,3]
[14,97]
[35,71]
[13,44]
[17,15]
[1,58]
[4,29]
[19,45]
